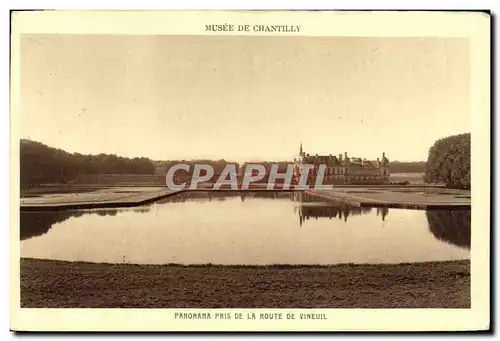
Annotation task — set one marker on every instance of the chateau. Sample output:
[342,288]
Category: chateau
[344,170]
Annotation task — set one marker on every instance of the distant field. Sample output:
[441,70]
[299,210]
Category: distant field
[412,178]
[121,179]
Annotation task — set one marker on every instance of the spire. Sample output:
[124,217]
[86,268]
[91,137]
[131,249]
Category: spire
[385,161]
[300,153]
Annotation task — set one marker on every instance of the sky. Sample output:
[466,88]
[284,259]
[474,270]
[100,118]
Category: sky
[243,98]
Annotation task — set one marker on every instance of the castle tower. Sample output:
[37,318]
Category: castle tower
[346,159]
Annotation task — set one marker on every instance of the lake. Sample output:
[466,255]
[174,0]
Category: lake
[246,228]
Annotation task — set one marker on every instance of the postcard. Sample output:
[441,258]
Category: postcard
[250,171]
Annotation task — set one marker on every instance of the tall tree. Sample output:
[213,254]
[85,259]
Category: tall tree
[449,162]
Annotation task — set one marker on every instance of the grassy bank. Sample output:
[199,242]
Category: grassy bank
[65,284]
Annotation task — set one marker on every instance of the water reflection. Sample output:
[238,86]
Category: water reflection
[209,196]
[451,226]
[33,224]
[246,228]
[315,207]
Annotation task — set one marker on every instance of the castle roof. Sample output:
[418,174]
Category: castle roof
[332,160]
[329,160]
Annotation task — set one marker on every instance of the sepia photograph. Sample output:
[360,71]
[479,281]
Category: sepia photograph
[252,165]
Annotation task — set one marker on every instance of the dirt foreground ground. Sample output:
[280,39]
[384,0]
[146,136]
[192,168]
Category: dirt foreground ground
[58,284]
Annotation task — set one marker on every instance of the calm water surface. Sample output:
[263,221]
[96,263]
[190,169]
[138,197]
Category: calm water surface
[250,228]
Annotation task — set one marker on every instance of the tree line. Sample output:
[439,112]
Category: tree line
[41,164]
[218,165]
[448,162]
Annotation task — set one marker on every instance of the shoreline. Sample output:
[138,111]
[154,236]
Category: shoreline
[405,197]
[61,284]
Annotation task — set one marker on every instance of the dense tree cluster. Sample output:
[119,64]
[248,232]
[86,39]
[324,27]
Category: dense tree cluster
[41,164]
[449,162]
